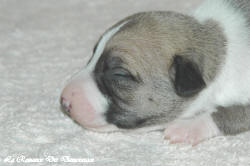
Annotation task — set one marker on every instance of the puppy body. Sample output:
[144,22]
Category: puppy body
[231,85]
[166,69]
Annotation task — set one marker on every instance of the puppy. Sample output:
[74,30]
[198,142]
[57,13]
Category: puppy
[187,74]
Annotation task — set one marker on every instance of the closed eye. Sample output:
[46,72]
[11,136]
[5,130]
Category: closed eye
[121,72]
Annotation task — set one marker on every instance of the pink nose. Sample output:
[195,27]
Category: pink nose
[83,102]
[65,104]
[74,100]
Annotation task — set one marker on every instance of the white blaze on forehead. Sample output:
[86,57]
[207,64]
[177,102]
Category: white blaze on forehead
[91,95]
[101,45]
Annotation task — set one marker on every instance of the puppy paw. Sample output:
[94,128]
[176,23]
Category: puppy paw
[191,131]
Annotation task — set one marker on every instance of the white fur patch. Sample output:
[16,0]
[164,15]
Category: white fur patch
[232,84]
[97,100]
[101,45]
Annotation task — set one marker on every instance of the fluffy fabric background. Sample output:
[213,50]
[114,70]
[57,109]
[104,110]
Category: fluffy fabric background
[42,43]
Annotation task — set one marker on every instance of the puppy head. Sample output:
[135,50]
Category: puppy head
[141,74]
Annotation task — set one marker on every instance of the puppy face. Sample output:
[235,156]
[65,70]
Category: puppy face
[138,74]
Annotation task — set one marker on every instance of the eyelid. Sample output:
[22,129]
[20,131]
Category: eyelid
[121,71]
[128,76]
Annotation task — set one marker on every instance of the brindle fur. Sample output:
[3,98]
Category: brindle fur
[146,46]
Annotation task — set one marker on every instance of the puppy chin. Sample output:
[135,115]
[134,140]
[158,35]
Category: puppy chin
[108,128]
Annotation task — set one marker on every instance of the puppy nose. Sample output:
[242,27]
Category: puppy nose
[66,105]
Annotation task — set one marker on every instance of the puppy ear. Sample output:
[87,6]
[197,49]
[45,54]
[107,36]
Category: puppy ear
[186,77]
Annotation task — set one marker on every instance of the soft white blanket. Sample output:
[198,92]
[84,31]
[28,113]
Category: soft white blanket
[42,43]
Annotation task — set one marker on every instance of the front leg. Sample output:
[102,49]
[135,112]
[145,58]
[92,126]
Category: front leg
[226,121]
[192,131]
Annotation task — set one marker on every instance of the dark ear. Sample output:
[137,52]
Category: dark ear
[186,77]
